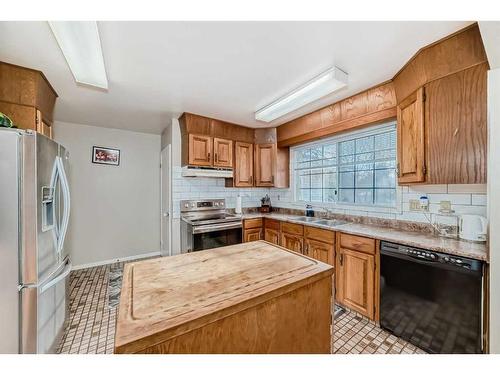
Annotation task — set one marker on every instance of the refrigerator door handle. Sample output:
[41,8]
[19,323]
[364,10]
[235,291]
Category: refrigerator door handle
[61,231]
[58,277]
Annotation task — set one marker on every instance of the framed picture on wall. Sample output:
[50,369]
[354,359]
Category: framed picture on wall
[104,155]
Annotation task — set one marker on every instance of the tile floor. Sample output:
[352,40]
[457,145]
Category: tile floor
[91,326]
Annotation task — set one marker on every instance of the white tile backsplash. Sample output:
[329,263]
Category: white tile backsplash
[464,198]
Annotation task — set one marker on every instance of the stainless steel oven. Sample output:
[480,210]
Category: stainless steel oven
[205,224]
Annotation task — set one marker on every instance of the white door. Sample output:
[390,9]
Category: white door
[166,199]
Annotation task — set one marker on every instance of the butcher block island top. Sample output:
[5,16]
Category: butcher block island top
[249,298]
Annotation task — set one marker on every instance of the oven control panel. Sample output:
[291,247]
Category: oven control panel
[203,205]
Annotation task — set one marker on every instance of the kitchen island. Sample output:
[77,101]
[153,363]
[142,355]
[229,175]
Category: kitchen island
[248,298]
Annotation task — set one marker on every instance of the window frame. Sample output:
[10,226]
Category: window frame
[351,135]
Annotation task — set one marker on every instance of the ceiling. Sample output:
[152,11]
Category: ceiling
[225,70]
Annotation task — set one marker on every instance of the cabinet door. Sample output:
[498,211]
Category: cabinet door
[42,127]
[265,161]
[355,281]
[319,250]
[456,127]
[200,150]
[292,242]
[410,134]
[271,235]
[253,234]
[223,153]
[243,172]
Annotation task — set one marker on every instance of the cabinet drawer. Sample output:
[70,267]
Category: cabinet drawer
[272,224]
[252,223]
[292,228]
[349,241]
[322,235]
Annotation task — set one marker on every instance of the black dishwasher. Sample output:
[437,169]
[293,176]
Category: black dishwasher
[430,299]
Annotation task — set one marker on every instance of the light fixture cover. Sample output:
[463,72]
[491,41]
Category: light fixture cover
[327,82]
[81,46]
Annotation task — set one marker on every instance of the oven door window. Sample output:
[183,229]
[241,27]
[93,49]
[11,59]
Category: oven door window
[210,240]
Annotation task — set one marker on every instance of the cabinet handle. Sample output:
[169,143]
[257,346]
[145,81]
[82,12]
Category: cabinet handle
[216,157]
[251,180]
[341,259]
[209,156]
[272,180]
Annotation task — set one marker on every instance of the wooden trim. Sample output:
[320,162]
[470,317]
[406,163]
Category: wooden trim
[452,54]
[33,70]
[342,126]
[376,301]
[472,25]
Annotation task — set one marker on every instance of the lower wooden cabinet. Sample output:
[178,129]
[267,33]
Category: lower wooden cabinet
[292,242]
[355,279]
[319,250]
[253,234]
[272,235]
[252,230]
[319,244]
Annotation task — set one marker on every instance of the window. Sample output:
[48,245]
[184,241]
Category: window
[358,169]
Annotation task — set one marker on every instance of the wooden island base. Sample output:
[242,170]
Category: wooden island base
[248,298]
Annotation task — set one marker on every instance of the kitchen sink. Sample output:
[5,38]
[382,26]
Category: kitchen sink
[307,219]
[325,222]
[330,223]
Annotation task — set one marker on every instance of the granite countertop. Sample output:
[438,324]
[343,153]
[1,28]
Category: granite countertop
[422,240]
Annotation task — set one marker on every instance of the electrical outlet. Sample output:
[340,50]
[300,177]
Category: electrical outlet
[445,205]
[415,205]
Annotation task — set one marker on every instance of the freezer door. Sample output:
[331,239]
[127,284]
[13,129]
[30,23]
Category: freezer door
[10,165]
[53,309]
[48,258]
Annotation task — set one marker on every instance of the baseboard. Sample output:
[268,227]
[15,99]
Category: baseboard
[109,261]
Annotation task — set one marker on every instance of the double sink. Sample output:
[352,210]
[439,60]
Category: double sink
[322,222]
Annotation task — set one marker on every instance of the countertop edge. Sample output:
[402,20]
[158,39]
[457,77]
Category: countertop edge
[398,237]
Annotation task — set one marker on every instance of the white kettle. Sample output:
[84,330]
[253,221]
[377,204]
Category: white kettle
[473,228]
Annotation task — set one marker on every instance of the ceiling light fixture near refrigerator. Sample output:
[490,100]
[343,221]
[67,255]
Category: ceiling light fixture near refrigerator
[81,46]
[327,82]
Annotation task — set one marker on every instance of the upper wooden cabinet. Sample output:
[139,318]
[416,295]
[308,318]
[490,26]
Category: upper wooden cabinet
[223,153]
[410,136]
[265,161]
[209,143]
[27,98]
[200,150]
[243,171]
[456,127]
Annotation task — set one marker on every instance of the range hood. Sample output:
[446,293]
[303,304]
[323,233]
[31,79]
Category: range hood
[206,172]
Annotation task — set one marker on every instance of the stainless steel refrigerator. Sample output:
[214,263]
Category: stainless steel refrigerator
[34,261]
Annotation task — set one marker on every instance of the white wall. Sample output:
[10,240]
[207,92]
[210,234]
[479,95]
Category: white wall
[494,205]
[115,211]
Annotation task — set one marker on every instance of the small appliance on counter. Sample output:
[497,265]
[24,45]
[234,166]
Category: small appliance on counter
[473,228]
[446,224]
[265,204]
[309,211]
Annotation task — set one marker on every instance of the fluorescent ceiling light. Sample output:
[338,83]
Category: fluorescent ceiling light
[81,46]
[325,83]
